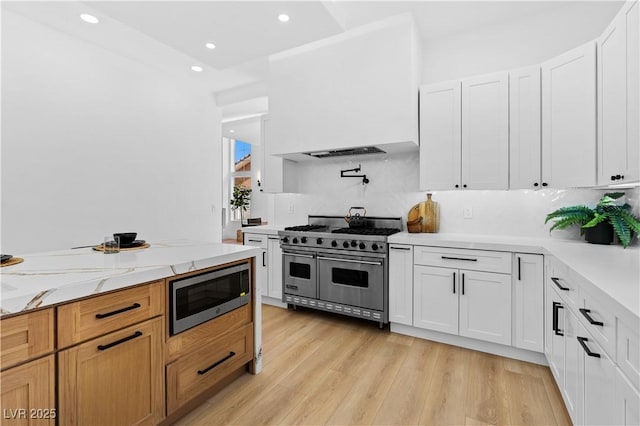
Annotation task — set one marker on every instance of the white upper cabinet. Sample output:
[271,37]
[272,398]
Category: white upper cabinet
[440,135]
[464,134]
[358,88]
[277,174]
[618,98]
[569,118]
[524,129]
[485,132]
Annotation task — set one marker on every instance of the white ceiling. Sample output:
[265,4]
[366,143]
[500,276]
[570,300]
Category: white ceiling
[170,35]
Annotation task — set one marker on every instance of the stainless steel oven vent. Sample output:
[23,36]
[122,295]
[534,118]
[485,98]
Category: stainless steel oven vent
[344,152]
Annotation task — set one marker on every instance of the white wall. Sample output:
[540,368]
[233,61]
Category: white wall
[95,143]
[513,44]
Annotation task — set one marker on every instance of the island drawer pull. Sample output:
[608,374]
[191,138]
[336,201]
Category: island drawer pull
[217,363]
[119,311]
[459,258]
[586,313]
[117,342]
[400,248]
[583,343]
[556,281]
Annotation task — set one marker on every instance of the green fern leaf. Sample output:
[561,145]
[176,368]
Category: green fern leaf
[571,212]
[631,221]
[596,220]
[614,195]
[622,230]
[567,221]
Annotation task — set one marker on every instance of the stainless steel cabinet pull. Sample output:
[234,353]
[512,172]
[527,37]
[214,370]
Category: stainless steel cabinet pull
[117,342]
[458,258]
[400,248]
[308,256]
[583,342]
[349,260]
[586,313]
[119,311]
[556,281]
[217,363]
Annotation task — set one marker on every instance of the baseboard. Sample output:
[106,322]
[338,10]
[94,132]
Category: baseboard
[266,300]
[465,342]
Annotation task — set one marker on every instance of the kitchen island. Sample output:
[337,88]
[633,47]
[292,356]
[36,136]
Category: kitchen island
[91,328]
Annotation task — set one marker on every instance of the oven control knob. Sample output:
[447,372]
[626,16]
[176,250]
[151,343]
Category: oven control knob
[374,246]
[362,246]
[345,244]
[295,241]
[334,243]
[354,243]
[319,241]
[303,240]
[285,239]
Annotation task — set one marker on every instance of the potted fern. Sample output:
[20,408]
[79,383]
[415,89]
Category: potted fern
[599,223]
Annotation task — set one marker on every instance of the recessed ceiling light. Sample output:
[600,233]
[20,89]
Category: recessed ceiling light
[89,18]
[210,46]
[283,17]
[197,68]
[232,131]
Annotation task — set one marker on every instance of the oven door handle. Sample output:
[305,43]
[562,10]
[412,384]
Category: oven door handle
[309,256]
[349,260]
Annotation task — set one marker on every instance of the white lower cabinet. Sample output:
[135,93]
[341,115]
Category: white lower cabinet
[528,304]
[627,401]
[274,265]
[401,284]
[462,302]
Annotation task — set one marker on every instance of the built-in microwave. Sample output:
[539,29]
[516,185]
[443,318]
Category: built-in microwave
[199,298]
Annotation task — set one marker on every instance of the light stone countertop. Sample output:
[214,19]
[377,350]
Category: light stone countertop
[263,229]
[611,270]
[50,278]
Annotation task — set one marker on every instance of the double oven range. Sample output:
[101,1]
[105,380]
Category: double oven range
[330,267]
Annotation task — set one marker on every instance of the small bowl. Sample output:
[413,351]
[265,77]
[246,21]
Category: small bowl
[126,237]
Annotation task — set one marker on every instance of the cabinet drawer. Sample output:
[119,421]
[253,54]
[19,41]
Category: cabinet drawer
[476,260]
[256,240]
[598,318]
[628,353]
[562,279]
[83,320]
[194,373]
[26,336]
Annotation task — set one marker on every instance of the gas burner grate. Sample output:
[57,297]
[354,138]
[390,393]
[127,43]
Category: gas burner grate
[306,228]
[366,231]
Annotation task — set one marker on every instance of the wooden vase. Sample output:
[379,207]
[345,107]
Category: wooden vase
[431,216]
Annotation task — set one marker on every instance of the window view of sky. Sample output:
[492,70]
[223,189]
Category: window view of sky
[242,149]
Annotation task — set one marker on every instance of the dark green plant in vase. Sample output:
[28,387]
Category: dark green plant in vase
[240,200]
[606,214]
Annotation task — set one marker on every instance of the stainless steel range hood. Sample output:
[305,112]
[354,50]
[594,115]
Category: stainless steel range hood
[346,152]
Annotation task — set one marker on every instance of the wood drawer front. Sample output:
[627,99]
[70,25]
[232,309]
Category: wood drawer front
[256,240]
[85,319]
[193,374]
[193,339]
[599,312]
[25,337]
[628,353]
[475,260]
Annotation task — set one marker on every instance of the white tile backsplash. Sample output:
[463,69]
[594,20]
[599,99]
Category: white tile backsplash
[393,190]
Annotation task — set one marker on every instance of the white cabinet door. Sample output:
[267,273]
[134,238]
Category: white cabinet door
[440,136]
[259,240]
[528,287]
[277,174]
[569,118]
[524,129]
[627,402]
[554,335]
[573,371]
[485,306]
[485,132]
[618,137]
[274,266]
[401,284]
[436,299]
[599,382]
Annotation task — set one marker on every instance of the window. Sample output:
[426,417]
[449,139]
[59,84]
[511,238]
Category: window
[240,172]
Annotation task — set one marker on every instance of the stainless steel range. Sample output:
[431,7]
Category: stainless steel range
[332,267]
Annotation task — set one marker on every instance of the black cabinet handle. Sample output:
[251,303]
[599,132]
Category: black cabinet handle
[535,184]
[119,311]
[463,284]
[255,241]
[454,283]
[292,287]
[217,363]
[583,342]
[613,177]
[586,313]
[556,330]
[264,262]
[457,186]
[464,186]
[400,248]
[544,184]
[519,269]
[117,342]
[458,258]
[556,281]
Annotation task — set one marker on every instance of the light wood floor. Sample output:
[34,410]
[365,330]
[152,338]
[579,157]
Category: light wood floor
[325,369]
